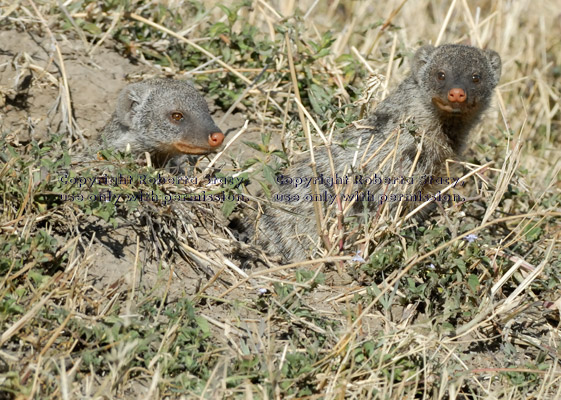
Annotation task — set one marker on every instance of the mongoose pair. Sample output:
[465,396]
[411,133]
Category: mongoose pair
[423,122]
[164,117]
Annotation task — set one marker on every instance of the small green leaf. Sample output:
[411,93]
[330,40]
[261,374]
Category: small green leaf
[254,146]
[281,154]
[533,233]
[269,174]
[473,282]
[92,28]
[265,188]
[266,138]
[228,206]
[218,29]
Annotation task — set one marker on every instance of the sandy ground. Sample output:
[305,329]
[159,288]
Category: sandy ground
[34,108]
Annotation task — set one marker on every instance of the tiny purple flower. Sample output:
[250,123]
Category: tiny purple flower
[357,257]
[471,237]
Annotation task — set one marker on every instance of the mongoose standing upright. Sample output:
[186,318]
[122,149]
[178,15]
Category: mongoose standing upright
[423,122]
[164,117]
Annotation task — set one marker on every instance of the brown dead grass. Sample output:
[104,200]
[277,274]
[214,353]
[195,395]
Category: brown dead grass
[100,276]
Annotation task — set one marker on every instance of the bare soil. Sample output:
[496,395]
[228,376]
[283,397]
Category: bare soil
[33,108]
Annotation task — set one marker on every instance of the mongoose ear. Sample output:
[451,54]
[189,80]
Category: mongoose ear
[422,56]
[130,100]
[496,65]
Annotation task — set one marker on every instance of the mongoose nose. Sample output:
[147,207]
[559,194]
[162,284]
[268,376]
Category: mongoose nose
[215,139]
[456,95]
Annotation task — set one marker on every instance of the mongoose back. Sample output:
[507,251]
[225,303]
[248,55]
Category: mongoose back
[423,122]
[164,117]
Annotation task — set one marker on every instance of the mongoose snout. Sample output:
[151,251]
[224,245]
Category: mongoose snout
[456,95]
[164,117]
[215,139]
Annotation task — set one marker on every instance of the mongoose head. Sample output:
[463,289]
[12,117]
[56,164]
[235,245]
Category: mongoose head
[164,117]
[457,80]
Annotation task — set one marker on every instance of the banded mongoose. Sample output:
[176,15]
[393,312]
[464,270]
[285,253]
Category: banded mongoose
[164,117]
[431,112]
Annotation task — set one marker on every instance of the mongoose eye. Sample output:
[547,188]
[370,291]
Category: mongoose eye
[476,78]
[441,75]
[176,116]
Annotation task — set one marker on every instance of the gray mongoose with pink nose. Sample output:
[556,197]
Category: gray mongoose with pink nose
[164,117]
[409,136]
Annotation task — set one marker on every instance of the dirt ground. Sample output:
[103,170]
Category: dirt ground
[34,108]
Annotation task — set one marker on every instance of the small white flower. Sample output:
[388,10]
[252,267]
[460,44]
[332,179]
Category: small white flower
[357,257]
[262,291]
[471,237]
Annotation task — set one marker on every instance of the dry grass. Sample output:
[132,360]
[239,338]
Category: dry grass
[151,300]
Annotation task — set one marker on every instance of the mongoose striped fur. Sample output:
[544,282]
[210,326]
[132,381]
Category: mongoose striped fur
[423,122]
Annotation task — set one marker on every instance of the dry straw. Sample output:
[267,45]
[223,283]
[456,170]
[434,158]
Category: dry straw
[352,335]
